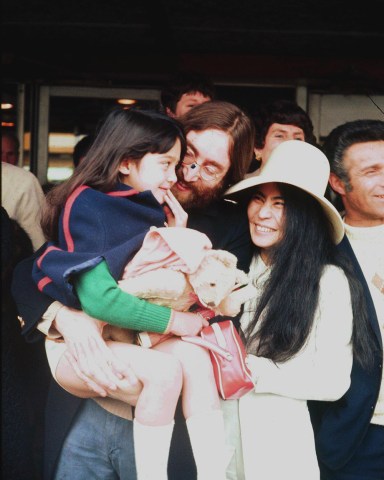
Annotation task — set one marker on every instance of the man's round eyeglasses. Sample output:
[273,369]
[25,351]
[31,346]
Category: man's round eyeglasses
[206,172]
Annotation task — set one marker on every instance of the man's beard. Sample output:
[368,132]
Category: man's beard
[199,195]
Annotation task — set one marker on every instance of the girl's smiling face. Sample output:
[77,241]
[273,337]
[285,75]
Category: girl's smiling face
[266,217]
[155,172]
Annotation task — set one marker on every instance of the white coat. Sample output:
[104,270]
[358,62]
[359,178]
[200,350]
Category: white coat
[274,426]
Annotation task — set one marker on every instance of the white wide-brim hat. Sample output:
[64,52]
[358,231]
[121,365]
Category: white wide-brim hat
[299,164]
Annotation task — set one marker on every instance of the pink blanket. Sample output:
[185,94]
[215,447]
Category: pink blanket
[177,248]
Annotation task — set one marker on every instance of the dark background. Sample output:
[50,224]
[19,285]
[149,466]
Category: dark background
[330,44]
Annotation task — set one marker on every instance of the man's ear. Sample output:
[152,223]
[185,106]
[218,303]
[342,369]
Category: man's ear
[124,167]
[258,153]
[169,112]
[337,184]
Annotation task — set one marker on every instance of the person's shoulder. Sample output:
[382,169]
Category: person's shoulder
[85,199]
[85,193]
[19,179]
[225,207]
[218,215]
[118,192]
[15,171]
[333,275]
[83,203]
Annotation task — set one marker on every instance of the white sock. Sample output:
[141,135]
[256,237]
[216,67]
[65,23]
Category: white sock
[207,435]
[152,444]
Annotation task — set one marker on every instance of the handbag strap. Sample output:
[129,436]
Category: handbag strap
[202,342]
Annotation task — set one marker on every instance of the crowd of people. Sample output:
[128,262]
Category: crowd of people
[258,188]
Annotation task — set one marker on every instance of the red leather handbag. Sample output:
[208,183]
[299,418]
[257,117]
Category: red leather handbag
[228,356]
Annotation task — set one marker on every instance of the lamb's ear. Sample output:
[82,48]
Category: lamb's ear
[242,277]
[227,258]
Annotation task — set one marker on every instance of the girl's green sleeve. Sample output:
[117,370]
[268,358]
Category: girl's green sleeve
[101,297]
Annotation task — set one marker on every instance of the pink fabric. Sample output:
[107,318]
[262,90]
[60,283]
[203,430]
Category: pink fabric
[178,248]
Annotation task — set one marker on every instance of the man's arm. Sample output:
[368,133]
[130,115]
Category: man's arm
[31,303]
[93,360]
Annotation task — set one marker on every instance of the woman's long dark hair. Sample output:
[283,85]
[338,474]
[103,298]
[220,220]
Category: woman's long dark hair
[123,134]
[291,293]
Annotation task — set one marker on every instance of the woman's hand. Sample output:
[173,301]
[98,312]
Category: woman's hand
[186,323]
[176,215]
[89,355]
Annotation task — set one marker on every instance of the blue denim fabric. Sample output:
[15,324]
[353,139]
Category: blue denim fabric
[99,446]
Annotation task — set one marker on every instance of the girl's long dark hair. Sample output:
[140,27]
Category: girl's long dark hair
[122,134]
[291,294]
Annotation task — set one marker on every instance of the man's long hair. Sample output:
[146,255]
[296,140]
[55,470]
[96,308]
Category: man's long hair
[227,118]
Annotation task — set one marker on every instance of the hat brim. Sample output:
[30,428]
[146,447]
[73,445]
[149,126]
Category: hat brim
[242,191]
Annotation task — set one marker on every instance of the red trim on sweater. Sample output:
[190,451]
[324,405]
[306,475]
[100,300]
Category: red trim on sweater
[67,211]
[41,258]
[123,193]
[43,282]
[68,207]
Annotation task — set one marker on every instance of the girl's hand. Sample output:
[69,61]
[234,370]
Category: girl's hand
[186,323]
[176,215]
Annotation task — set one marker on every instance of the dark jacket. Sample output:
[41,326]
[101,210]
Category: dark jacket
[227,227]
[340,426]
[95,226]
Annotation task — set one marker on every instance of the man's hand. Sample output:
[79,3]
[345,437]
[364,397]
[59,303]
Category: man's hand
[89,354]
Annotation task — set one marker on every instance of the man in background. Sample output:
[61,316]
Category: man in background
[277,122]
[184,91]
[349,433]
[10,147]
[23,199]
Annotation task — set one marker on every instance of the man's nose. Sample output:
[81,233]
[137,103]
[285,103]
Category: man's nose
[191,172]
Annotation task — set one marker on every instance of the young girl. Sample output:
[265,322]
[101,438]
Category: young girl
[96,222]
[299,330]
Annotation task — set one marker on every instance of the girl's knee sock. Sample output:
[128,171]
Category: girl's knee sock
[207,436]
[152,444]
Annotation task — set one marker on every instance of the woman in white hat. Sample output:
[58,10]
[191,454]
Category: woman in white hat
[299,330]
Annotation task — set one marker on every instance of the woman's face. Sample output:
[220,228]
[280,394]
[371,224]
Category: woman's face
[266,217]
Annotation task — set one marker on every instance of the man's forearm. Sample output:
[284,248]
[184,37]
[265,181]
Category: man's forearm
[31,303]
[47,325]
